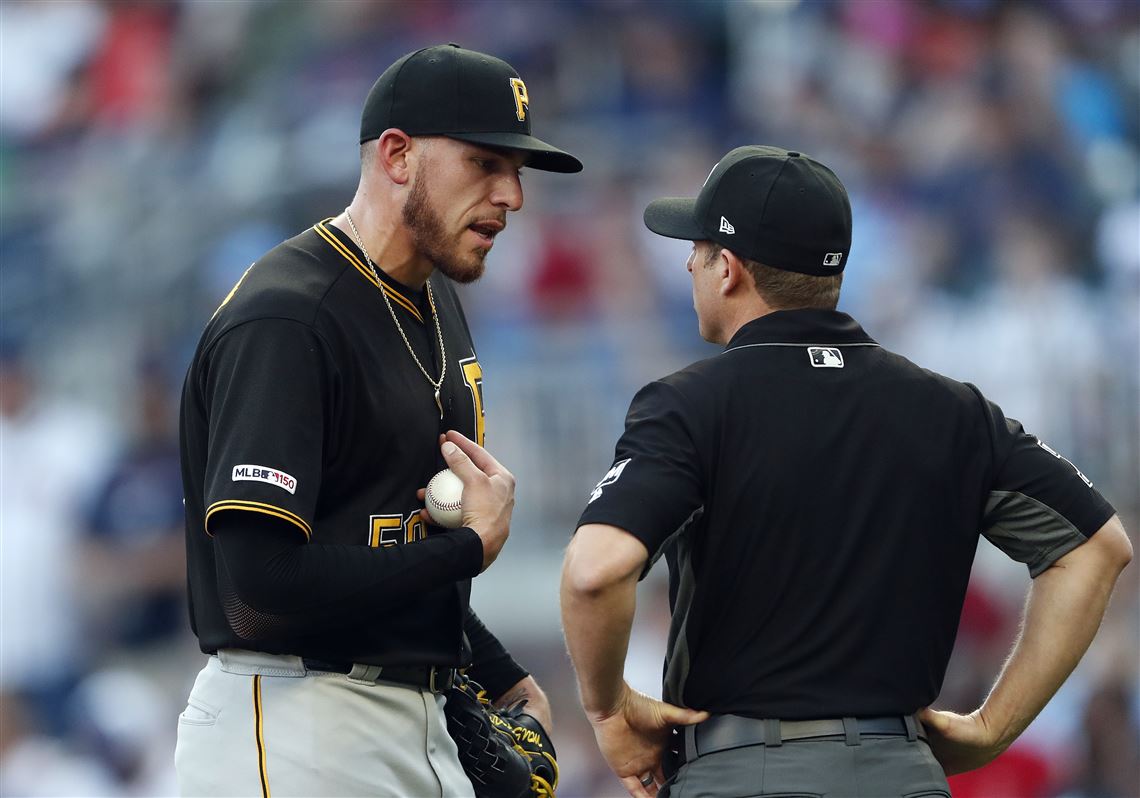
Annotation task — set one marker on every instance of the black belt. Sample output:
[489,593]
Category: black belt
[724,732]
[429,677]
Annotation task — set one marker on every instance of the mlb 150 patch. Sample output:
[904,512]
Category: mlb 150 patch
[256,473]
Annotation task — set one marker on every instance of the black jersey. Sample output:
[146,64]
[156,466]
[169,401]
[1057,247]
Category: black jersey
[819,500]
[303,403]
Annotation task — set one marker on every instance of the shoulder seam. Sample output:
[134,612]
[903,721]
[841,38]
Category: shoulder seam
[307,325]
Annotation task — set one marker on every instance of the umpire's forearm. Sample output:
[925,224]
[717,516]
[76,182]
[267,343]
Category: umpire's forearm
[1062,614]
[599,596]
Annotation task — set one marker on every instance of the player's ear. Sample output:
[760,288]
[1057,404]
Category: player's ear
[393,149]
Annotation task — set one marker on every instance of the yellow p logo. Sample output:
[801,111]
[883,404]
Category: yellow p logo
[522,101]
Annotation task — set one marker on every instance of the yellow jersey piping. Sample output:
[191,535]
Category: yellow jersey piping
[258,507]
[359,265]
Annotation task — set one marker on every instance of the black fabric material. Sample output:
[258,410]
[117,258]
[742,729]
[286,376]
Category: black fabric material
[491,665]
[449,91]
[302,405]
[725,732]
[437,680]
[841,511]
[766,204]
[276,573]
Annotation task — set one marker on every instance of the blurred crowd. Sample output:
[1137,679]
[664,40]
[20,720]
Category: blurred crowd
[150,150]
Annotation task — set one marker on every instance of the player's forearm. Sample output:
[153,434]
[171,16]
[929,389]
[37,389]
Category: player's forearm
[1062,614]
[274,571]
[537,704]
[597,614]
[492,666]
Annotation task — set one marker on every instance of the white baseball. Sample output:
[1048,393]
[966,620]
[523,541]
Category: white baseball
[444,499]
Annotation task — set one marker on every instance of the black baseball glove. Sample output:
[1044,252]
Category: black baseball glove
[505,752]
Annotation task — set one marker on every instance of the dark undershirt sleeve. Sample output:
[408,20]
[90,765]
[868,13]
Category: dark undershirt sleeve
[1040,506]
[274,584]
[491,666]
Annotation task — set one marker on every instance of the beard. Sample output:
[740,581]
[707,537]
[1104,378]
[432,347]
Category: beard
[431,239]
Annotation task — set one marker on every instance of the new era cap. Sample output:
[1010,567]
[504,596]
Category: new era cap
[462,94]
[766,204]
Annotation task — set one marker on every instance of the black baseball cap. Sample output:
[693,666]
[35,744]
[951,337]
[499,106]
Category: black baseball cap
[766,204]
[462,94]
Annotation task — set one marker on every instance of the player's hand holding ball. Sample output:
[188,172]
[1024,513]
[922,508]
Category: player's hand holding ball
[444,499]
[486,500]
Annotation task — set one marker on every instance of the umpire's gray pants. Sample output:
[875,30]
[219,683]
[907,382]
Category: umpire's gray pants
[875,767]
[262,725]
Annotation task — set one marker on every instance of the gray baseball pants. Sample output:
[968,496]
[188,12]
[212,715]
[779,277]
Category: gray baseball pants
[856,766]
[263,725]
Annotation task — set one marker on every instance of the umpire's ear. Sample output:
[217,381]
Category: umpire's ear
[732,272]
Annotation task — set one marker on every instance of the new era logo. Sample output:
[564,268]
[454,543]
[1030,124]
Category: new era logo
[832,258]
[825,357]
[726,226]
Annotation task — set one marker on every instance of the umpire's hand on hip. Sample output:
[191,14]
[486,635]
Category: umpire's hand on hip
[632,738]
[488,492]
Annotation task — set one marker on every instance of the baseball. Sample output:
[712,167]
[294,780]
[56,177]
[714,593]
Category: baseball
[444,499]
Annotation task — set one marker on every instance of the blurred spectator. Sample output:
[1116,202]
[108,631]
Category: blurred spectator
[1111,742]
[51,451]
[1034,335]
[134,551]
[33,764]
[121,720]
[45,45]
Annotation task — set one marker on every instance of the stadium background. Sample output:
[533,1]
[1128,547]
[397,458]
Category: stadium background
[151,150]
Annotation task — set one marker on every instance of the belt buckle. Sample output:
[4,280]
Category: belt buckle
[433,672]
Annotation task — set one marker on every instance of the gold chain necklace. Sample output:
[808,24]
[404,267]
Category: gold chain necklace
[434,313]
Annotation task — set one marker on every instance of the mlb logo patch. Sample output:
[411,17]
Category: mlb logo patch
[825,357]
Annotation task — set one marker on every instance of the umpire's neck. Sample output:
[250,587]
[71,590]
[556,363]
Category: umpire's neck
[726,299]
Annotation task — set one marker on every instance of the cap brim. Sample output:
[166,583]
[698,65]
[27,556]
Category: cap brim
[542,155]
[674,217]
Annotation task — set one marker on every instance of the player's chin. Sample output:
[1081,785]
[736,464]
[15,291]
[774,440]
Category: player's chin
[467,268]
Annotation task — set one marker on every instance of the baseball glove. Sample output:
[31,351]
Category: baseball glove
[505,752]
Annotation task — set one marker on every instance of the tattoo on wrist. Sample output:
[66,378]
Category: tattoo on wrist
[513,696]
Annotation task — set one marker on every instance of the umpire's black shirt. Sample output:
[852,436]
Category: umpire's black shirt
[819,501]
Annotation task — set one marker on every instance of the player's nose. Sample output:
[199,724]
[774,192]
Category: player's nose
[508,192]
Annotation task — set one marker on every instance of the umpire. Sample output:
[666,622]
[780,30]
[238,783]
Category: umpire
[818,499]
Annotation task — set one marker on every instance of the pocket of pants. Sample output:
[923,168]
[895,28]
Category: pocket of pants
[198,713]
[928,794]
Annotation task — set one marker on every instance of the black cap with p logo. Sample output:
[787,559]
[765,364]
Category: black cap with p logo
[765,204]
[462,94]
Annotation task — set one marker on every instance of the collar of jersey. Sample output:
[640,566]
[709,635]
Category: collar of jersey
[824,327]
[399,294]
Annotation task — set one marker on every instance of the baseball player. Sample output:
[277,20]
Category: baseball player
[819,500]
[334,613]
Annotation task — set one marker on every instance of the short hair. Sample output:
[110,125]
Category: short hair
[367,154]
[785,290]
